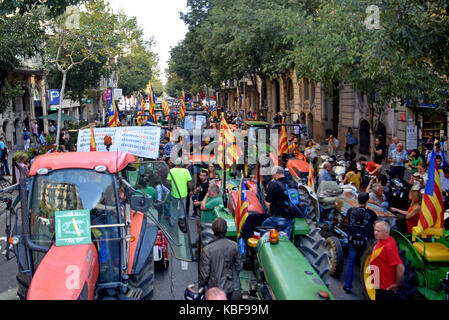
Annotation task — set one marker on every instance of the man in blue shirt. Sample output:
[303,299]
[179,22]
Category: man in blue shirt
[168,146]
[393,146]
[325,174]
[397,159]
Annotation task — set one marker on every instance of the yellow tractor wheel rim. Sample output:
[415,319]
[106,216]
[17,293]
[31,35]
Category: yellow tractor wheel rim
[371,291]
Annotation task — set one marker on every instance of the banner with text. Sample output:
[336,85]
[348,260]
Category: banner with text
[140,141]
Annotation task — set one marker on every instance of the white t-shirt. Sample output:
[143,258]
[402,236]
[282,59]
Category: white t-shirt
[444,182]
[311,152]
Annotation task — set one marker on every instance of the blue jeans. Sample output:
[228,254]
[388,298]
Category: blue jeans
[350,262]
[279,223]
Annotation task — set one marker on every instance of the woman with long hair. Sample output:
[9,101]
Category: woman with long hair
[412,214]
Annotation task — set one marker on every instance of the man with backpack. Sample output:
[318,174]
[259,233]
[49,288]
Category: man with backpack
[360,233]
[283,203]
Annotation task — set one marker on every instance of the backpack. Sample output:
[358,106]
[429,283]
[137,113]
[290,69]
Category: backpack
[359,227]
[26,136]
[293,209]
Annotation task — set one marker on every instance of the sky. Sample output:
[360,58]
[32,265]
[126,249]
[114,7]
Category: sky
[160,20]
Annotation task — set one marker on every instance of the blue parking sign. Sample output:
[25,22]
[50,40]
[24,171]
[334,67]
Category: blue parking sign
[54,97]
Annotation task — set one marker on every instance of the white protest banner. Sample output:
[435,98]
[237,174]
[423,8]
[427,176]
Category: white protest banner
[140,141]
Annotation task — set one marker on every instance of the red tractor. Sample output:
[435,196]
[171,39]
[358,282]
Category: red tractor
[78,237]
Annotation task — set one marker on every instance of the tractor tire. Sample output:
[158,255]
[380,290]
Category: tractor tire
[407,290]
[312,246]
[336,258]
[144,280]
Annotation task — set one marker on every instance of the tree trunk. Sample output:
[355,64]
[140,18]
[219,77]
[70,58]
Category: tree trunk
[58,131]
[371,127]
[258,97]
[335,108]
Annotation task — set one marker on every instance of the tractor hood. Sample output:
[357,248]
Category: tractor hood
[66,273]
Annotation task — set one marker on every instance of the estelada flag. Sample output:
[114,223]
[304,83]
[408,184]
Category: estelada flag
[152,99]
[93,146]
[113,115]
[140,112]
[242,207]
[227,137]
[432,207]
[283,144]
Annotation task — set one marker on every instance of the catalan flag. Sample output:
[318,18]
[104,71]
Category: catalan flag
[311,180]
[113,114]
[242,207]
[227,137]
[283,144]
[140,112]
[182,109]
[432,207]
[165,108]
[93,146]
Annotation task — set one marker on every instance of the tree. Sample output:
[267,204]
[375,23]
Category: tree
[22,35]
[100,35]
[342,48]
[136,69]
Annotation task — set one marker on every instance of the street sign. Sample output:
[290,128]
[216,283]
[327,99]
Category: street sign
[118,93]
[88,101]
[412,137]
[72,227]
[54,97]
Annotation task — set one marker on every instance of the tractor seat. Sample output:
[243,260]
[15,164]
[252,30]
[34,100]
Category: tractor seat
[435,251]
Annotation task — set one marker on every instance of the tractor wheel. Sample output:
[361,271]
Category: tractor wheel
[336,258]
[407,289]
[313,248]
[313,214]
[312,245]
[144,280]
[365,275]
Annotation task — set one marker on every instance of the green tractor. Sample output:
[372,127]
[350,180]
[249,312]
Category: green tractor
[426,266]
[275,270]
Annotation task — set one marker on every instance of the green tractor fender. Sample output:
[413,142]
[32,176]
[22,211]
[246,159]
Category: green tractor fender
[410,252]
[288,273]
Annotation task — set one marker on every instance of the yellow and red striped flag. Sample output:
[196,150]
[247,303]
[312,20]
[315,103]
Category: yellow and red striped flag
[311,180]
[283,144]
[227,137]
[165,108]
[242,207]
[182,110]
[152,100]
[93,146]
[432,207]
